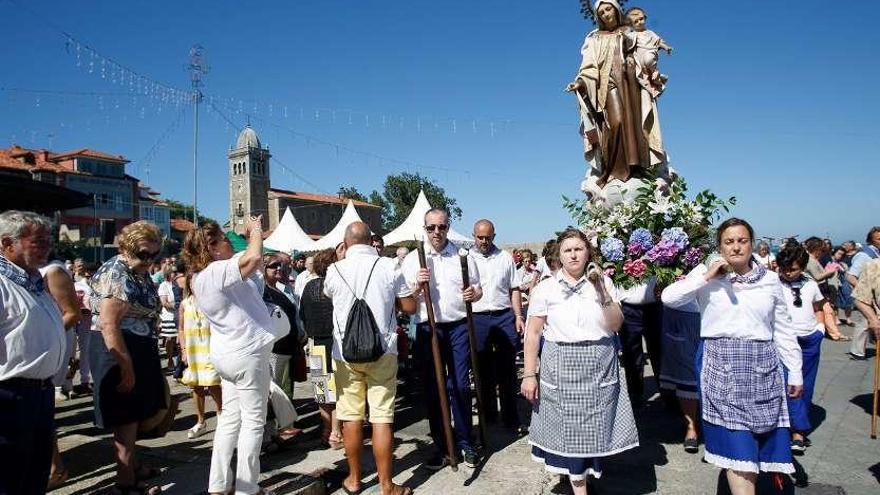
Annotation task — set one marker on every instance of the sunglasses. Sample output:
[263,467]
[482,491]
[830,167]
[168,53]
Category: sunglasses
[276,266]
[796,292]
[441,227]
[146,255]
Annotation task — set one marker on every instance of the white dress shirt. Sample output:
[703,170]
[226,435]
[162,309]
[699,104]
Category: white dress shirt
[639,294]
[741,311]
[240,321]
[32,338]
[497,278]
[572,315]
[445,283]
[804,318]
[386,285]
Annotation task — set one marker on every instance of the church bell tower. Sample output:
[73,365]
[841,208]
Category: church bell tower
[248,180]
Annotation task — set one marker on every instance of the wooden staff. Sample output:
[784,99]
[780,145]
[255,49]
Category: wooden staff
[438,366]
[472,341]
[875,396]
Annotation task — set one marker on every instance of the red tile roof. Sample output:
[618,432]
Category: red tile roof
[92,154]
[42,160]
[181,225]
[318,198]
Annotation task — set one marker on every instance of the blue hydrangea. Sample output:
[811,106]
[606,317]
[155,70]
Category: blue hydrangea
[675,235]
[642,237]
[612,249]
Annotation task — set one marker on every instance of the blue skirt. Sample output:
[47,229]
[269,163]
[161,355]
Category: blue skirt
[576,468]
[681,337]
[743,450]
[799,409]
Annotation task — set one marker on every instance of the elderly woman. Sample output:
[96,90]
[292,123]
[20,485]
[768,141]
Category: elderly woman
[582,412]
[316,311]
[747,334]
[228,291]
[129,385]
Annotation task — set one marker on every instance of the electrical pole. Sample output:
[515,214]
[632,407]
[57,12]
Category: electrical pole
[197,68]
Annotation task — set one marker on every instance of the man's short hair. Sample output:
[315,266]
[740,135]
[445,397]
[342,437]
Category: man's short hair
[14,223]
[438,210]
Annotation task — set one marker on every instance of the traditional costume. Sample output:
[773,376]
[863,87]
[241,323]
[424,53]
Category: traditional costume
[681,338]
[746,332]
[583,411]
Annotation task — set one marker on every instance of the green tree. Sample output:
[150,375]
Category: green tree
[184,211]
[350,192]
[400,193]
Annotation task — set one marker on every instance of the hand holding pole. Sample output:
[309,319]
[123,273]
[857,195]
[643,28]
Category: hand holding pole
[472,341]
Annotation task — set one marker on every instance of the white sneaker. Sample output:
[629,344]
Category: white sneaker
[196,430]
[60,395]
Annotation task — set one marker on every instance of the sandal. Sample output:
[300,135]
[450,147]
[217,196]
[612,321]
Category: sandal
[58,478]
[398,490]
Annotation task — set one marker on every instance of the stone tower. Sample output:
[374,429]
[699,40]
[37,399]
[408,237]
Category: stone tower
[248,180]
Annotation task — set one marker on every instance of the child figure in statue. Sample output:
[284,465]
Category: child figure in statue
[646,47]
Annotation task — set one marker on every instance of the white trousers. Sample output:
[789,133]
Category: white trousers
[245,384]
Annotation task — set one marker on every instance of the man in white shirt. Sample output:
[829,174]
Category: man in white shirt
[859,260]
[642,317]
[32,348]
[443,275]
[363,274]
[498,324]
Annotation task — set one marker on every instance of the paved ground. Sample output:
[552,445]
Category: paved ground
[842,460]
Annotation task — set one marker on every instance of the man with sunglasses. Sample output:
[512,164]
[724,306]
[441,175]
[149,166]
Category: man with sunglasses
[498,322]
[805,305]
[443,275]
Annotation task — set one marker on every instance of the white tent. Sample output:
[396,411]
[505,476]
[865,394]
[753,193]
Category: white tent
[413,228]
[336,235]
[289,236]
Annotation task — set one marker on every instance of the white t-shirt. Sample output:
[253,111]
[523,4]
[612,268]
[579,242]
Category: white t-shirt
[240,321]
[348,277]
[572,316]
[166,290]
[497,278]
[804,318]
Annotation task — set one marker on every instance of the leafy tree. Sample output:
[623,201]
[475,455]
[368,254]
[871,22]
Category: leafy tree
[350,192]
[400,193]
[184,211]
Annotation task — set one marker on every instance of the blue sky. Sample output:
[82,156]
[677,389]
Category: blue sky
[773,102]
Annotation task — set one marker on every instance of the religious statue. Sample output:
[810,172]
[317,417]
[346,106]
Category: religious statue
[617,87]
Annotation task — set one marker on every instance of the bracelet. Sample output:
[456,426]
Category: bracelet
[533,375]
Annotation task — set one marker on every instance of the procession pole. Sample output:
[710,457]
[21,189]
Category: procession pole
[472,341]
[875,397]
[438,366]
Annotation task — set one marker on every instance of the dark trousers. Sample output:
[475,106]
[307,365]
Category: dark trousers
[27,424]
[455,356]
[497,345]
[643,320]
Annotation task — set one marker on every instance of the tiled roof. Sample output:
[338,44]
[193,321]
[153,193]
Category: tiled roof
[181,225]
[12,158]
[318,198]
[92,154]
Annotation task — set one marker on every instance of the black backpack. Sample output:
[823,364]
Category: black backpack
[362,341]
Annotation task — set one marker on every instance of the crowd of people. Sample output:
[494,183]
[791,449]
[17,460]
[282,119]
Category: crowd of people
[243,327]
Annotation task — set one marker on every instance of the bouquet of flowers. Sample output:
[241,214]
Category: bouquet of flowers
[660,233]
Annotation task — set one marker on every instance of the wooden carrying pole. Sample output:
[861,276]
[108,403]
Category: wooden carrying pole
[875,398]
[472,341]
[439,374]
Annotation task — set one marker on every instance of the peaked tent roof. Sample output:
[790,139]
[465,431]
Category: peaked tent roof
[289,236]
[336,235]
[413,228]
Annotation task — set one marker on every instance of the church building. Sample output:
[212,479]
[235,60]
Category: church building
[251,193]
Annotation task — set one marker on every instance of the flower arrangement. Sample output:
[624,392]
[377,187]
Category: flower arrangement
[660,233]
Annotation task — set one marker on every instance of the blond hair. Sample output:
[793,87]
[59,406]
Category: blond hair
[134,233]
[196,250]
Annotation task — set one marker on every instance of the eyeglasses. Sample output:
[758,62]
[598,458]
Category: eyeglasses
[146,255]
[796,292]
[276,266]
[441,227]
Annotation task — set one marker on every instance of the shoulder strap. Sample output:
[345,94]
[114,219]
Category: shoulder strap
[344,281]
[370,276]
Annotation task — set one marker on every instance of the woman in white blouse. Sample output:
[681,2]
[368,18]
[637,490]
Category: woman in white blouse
[746,331]
[581,409]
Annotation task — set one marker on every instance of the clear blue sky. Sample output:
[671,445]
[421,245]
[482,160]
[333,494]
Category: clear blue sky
[774,102]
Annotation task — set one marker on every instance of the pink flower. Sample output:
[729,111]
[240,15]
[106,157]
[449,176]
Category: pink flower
[635,268]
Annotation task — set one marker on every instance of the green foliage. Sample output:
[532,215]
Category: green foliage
[350,192]
[184,211]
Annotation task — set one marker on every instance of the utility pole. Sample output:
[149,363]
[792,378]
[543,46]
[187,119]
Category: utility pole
[197,68]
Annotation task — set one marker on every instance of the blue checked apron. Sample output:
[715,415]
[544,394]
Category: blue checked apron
[583,408]
[742,385]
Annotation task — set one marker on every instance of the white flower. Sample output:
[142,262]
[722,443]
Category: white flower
[660,206]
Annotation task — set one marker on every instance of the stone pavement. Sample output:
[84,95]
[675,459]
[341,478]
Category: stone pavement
[842,460]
